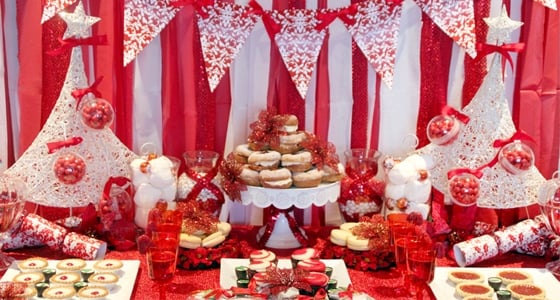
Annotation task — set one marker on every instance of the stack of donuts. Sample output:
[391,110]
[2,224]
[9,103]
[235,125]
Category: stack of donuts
[283,164]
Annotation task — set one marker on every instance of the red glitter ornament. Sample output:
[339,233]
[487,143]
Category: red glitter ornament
[69,168]
[97,113]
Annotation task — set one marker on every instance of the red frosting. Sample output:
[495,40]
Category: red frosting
[317,279]
[312,265]
[304,253]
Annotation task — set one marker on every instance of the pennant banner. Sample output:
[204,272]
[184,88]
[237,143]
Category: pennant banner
[223,32]
[376,33]
[548,3]
[299,43]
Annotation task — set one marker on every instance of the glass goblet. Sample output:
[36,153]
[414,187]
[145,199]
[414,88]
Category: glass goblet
[12,200]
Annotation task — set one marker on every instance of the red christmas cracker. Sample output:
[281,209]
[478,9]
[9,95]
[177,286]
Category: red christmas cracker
[475,250]
[84,247]
[44,230]
[520,234]
[17,239]
[538,247]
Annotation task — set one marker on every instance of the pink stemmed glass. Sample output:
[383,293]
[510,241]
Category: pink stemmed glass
[12,200]
[549,203]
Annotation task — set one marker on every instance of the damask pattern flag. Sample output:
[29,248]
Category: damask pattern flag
[143,21]
[455,18]
[548,3]
[52,7]
[376,31]
[299,43]
[224,28]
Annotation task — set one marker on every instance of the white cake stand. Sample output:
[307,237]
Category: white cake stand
[284,200]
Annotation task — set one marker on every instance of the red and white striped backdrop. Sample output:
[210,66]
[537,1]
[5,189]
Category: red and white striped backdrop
[162,97]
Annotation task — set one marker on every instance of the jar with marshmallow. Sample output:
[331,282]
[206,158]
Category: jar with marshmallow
[154,178]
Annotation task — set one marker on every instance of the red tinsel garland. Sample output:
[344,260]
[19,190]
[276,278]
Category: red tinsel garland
[230,169]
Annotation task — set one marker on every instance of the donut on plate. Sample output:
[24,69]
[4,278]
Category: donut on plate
[250,176]
[241,153]
[264,160]
[289,143]
[291,123]
[311,178]
[297,162]
[332,175]
[277,179]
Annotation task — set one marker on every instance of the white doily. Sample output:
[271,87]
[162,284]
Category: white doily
[102,151]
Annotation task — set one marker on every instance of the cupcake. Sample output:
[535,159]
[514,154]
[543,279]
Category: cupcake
[29,278]
[109,265]
[65,278]
[303,254]
[71,265]
[263,255]
[93,292]
[312,265]
[107,279]
[34,264]
[59,292]
[317,281]
[258,266]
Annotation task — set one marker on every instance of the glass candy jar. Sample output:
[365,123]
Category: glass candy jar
[360,192]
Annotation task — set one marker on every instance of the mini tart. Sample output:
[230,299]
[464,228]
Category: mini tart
[29,278]
[460,276]
[93,292]
[514,276]
[467,289]
[71,264]
[525,290]
[478,298]
[59,292]
[65,278]
[107,279]
[29,292]
[33,264]
[108,265]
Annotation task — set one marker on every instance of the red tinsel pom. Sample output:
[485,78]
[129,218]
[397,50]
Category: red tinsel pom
[230,169]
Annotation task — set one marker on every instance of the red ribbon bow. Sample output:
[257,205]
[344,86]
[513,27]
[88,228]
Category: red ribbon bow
[73,141]
[73,42]
[274,214]
[518,135]
[272,28]
[198,5]
[79,93]
[345,14]
[476,172]
[485,49]
[450,111]
[205,182]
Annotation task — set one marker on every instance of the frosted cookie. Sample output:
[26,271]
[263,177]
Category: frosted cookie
[93,292]
[263,255]
[514,276]
[520,290]
[297,162]
[71,264]
[308,179]
[106,279]
[312,265]
[460,276]
[264,160]
[348,226]
[33,264]
[29,278]
[224,228]
[339,237]
[190,241]
[467,289]
[355,243]
[303,254]
[59,292]
[258,266]
[276,179]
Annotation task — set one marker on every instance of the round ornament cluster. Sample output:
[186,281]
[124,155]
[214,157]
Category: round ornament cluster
[464,189]
[516,157]
[443,129]
[69,168]
[97,113]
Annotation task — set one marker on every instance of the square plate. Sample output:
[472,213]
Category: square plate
[125,286]
[228,278]
[444,289]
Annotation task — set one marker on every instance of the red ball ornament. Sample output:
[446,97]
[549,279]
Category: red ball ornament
[97,113]
[464,189]
[516,157]
[443,130]
[69,168]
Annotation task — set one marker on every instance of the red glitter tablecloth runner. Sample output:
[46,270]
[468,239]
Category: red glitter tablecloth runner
[378,284]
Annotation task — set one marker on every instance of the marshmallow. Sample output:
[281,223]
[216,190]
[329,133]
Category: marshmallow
[395,191]
[137,176]
[141,216]
[169,193]
[161,172]
[417,161]
[146,196]
[402,172]
[418,191]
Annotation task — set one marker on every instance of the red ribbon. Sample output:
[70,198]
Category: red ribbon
[119,181]
[73,42]
[294,227]
[249,291]
[518,135]
[205,182]
[73,141]
[272,28]
[198,5]
[485,49]
[476,172]
[348,293]
[79,93]
[344,14]
[450,111]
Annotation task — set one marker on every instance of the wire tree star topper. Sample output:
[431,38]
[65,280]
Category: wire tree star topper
[78,23]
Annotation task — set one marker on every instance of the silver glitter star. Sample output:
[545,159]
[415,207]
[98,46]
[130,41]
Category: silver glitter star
[78,23]
[501,27]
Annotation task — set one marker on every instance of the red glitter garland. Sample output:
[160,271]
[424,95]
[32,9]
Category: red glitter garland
[230,169]
[266,129]
[322,152]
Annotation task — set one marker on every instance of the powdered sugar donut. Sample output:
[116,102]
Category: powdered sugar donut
[291,123]
[297,162]
[250,176]
[264,160]
[289,143]
[277,179]
[332,175]
[241,153]
[311,178]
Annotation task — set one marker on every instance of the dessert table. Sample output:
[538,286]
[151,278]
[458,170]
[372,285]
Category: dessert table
[379,284]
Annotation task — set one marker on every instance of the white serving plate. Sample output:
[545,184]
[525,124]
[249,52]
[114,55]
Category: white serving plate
[445,289]
[228,278]
[124,287]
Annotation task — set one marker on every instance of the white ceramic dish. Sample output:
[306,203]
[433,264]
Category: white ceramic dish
[228,278]
[123,289]
[444,289]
